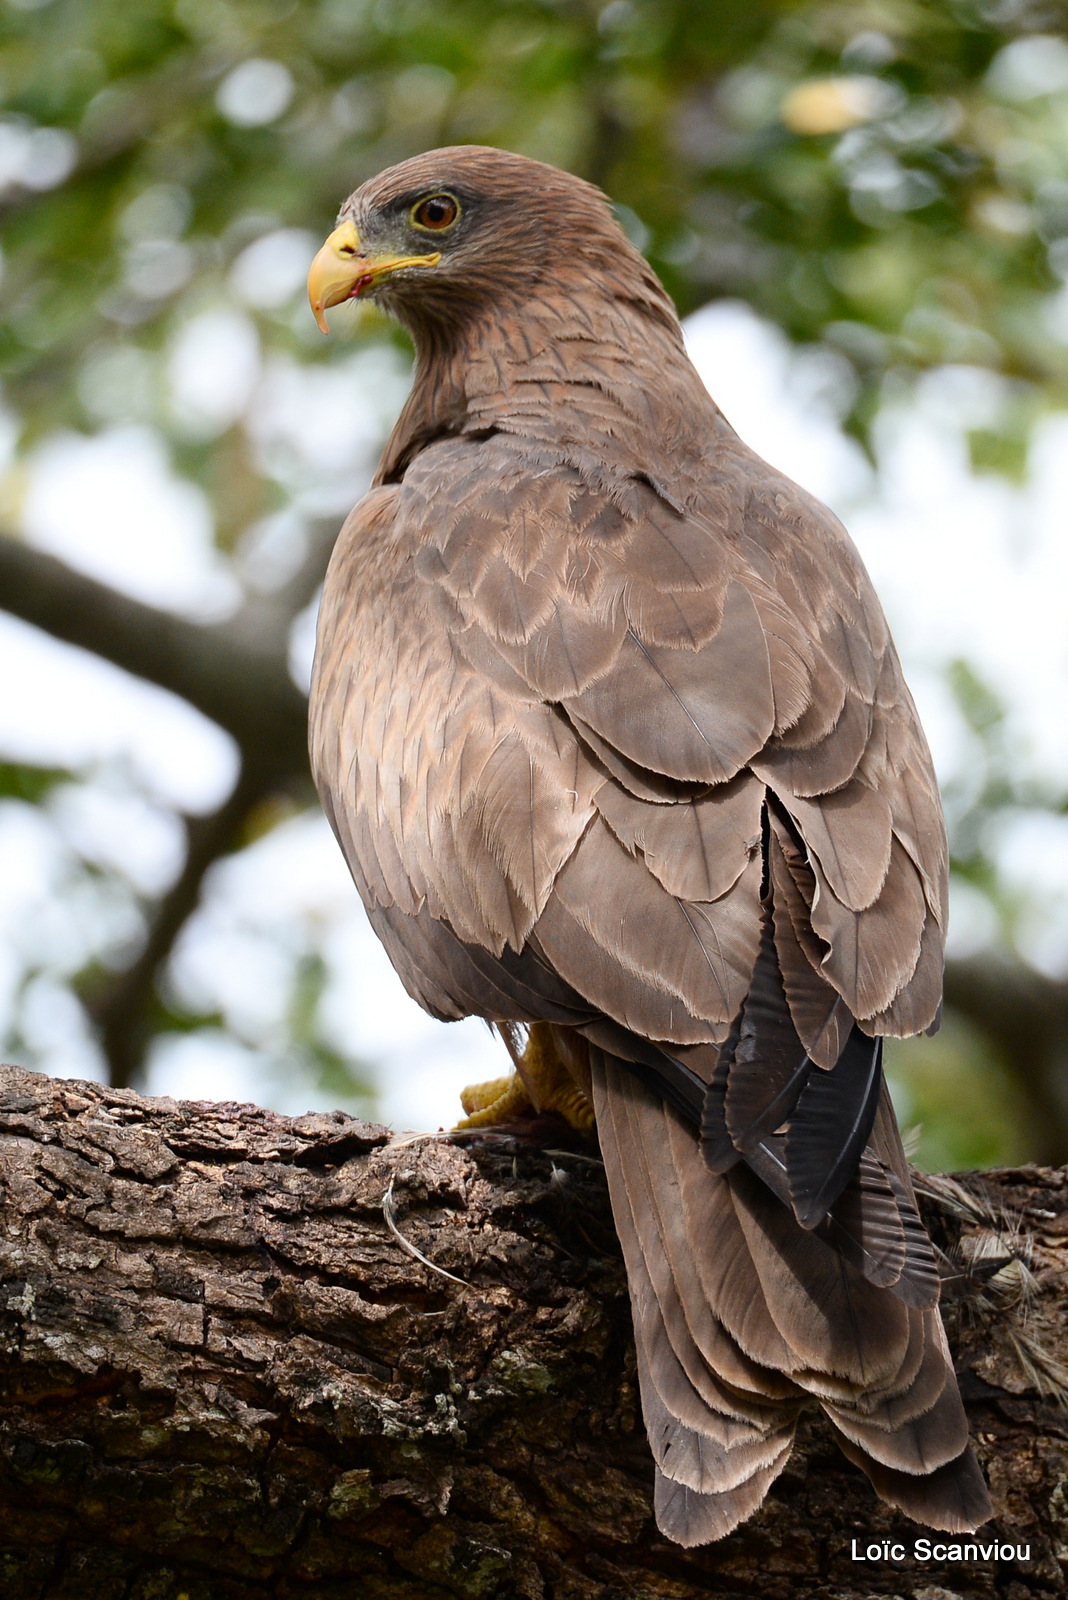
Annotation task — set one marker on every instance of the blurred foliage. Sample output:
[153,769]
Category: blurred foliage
[954,1095]
[343,1081]
[887,178]
[18,782]
[296,1050]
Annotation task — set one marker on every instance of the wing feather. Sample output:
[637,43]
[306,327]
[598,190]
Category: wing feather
[696,849]
[850,833]
[695,716]
[699,952]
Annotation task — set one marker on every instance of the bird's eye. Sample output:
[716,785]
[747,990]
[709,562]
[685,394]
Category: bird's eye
[437,212]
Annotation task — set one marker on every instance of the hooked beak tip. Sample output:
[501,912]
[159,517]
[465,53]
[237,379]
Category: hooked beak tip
[330,277]
[343,270]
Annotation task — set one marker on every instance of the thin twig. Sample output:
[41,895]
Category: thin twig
[419,1138]
[406,1244]
[574,1155]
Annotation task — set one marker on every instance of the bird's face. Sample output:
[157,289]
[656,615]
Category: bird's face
[455,228]
[392,242]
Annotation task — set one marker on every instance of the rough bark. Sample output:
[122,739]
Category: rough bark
[225,1377]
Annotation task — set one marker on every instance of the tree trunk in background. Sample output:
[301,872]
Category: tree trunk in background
[226,1378]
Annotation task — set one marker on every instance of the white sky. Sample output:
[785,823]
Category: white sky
[966,566]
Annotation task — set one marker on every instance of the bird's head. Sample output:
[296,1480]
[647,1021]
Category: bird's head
[459,228]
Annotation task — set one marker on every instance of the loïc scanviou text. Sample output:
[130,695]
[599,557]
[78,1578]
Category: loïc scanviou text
[973,1551]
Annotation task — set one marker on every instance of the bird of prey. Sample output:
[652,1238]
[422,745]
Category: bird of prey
[609,725]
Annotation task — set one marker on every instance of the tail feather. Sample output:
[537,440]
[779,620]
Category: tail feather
[953,1499]
[918,1443]
[774,1249]
[871,1399]
[741,1315]
[835,1322]
[724,1267]
[686,1448]
[691,1518]
[876,1226]
[651,1176]
[866,1226]
[703,1357]
[718,1443]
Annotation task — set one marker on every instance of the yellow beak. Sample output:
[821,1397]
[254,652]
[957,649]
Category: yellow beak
[343,270]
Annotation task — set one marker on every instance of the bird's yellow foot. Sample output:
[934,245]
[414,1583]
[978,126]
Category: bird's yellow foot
[541,1083]
[498,1100]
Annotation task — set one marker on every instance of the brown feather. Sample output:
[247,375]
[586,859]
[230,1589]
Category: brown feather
[872,954]
[638,1121]
[678,619]
[836,1324]
[827,693]
[849,832]
[920,1427]
[696,849]
[820,768]
[695,715]
[700,952]
[954,1498]
[631,776]
[725,1267]
[918,1005]
[694,1519]
[696,1426]
[822,1019]
[648,1010]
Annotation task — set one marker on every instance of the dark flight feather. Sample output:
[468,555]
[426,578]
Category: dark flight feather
[830,1126]
[770,1066]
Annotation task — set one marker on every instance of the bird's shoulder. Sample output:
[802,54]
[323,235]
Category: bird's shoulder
[695,618]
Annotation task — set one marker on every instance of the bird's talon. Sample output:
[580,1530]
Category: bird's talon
[541,1083]
[498,1100]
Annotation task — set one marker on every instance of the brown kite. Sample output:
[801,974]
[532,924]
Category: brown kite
[609,725]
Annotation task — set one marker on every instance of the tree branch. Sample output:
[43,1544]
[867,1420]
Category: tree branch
[1025,1015]
[234,672]
[121,1011]
[225,1377]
